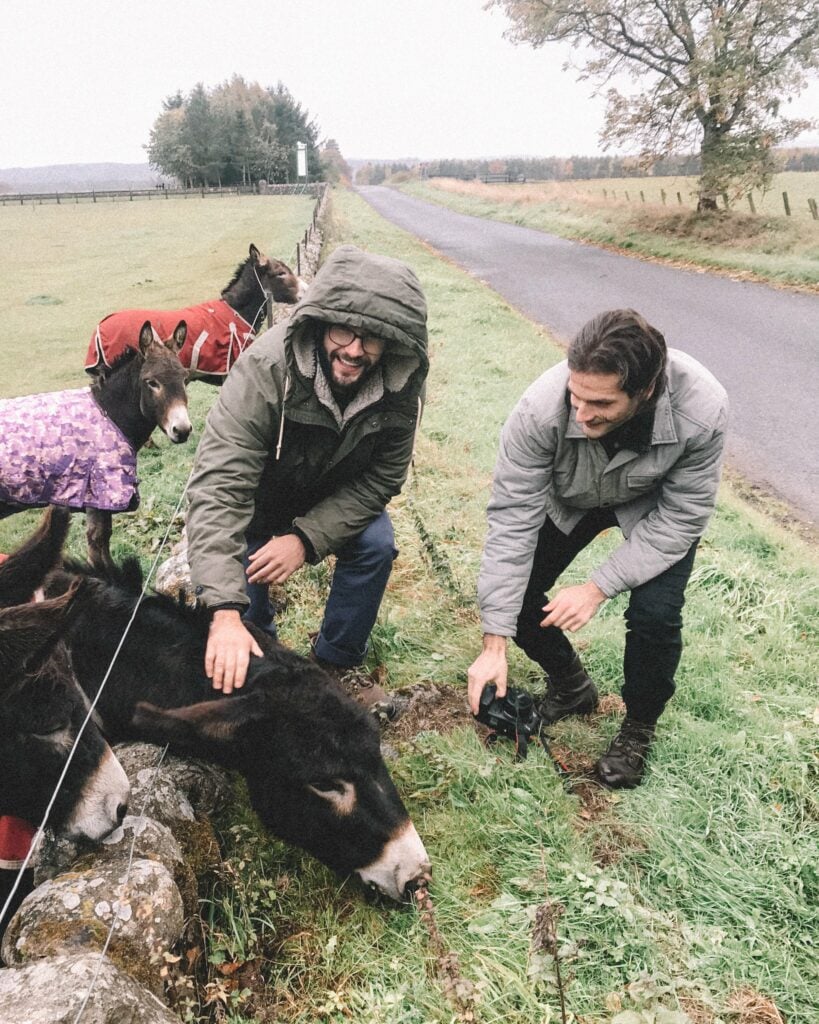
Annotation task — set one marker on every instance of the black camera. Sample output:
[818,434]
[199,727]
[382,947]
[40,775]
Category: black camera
[514,715]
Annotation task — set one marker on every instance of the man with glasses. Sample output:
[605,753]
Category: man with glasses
[310,438]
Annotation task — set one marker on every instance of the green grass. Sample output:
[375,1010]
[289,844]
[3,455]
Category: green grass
[684,900]
[768,245]
[66,267]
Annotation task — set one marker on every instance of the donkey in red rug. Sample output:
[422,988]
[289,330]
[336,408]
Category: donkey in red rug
[219,330]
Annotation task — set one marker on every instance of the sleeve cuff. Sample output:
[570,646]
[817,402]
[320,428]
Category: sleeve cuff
[309,550]
[228,606]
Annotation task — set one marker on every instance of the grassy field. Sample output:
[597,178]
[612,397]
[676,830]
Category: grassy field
[693,899]
[766,245]
[66,267]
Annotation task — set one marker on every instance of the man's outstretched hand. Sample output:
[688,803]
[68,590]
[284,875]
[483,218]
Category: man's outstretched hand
[228,651]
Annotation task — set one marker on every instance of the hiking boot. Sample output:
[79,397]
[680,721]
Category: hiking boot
[623,764]
[570,692]
[362,687]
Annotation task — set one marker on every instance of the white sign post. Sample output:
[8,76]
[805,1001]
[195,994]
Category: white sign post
[301,160]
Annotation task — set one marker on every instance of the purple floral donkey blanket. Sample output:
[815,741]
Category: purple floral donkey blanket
[60,448]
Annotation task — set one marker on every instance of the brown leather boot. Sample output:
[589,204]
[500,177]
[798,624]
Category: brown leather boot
[570,692]
[361,686]
[623,764]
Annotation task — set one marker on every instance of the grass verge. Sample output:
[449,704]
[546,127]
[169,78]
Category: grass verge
[769,247]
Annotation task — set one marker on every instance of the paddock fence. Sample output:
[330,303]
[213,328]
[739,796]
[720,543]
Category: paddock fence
[157,194]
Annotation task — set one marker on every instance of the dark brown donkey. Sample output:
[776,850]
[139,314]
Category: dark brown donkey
[219,330]
[310,755]
[78,448]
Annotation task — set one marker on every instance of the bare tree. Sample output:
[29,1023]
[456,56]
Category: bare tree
[712,73]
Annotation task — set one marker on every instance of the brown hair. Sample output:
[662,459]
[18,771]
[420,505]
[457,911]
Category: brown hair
[622,342]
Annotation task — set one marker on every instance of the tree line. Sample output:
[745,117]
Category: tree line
[573,168]
[237,133]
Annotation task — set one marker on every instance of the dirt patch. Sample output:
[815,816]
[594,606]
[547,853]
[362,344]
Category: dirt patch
[750,1007]
[430,708]
[771,504]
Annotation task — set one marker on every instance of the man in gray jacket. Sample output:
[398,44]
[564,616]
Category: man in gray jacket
[310,438]
[625,433]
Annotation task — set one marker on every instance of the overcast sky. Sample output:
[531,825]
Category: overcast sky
[82,81]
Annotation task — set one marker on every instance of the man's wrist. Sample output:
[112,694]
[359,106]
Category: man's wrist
[494,643]
[226,611]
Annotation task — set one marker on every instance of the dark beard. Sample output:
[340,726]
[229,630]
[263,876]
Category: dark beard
[342,393]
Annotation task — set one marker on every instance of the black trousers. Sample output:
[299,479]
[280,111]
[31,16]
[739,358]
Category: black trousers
[653,618]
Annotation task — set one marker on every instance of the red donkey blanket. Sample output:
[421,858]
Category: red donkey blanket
[216,337]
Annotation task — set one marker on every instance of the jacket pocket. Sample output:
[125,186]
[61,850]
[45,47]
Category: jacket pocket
[641,482]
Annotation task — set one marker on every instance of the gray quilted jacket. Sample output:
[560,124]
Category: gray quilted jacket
[662,498]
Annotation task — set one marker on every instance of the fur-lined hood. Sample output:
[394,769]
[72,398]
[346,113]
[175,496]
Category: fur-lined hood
[370,293]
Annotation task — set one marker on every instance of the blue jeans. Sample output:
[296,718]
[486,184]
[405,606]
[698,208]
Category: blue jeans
[653,618]
[362,569]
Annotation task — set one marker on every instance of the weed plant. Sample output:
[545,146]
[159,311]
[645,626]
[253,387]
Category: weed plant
[687,901]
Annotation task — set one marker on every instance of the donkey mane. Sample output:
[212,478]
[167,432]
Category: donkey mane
[125,357]
[123,583]
[237,274]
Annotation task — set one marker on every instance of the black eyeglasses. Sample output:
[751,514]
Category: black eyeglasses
[344,336]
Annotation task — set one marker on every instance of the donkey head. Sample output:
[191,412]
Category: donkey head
[42,710]
[276,278]
[162,396]
[313,765]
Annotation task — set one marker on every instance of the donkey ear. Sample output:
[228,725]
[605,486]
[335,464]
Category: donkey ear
[259,257]
[26,568]
[213,724]
[28,632]
[146,337]
[177,340]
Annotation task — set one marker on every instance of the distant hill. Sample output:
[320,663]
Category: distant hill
[79,177]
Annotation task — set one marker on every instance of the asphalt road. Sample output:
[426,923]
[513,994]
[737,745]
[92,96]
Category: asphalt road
[762,343]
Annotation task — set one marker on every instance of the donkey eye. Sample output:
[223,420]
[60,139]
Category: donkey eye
[340,795]
[46,725]
[326,786]
[153,384]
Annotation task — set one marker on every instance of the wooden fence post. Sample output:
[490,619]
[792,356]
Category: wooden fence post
[787,204]
[751,203]
[642,197]
[298,258]
[679,199]
[814,211]
[627,198]
[662,195]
